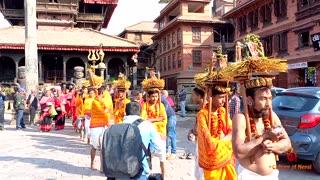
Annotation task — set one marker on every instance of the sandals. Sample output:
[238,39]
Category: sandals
[186,156]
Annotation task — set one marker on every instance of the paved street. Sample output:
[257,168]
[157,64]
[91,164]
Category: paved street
[30,154]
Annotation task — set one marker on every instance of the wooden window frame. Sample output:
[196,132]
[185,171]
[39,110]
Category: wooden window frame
[169,62]
[179,37]
[196,34]
[164,64]
[196,58]
[173,39]
[300,39]
[173,61]
[179,58]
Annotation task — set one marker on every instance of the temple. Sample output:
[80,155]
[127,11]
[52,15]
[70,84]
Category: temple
[67,30]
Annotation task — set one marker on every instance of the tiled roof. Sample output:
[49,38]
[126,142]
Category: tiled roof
[144,26]
[75,39]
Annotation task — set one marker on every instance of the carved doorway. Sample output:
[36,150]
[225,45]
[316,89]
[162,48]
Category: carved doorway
[52,68]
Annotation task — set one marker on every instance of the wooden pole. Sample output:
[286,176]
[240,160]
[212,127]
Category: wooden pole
[272,125]
[31,49]
[246,111]
[210,110]
[226,105]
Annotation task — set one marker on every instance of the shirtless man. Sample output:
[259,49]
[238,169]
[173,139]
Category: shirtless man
[257,157]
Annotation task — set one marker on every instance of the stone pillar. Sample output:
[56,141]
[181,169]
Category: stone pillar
[64,71]
[102,73]
[17,66]
[40,70]
[31,49]
[134,76]
[78,75]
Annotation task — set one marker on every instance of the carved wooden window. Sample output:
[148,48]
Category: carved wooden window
[242,21]
[253,19]
[169,62]
[196,57]
[280,42]
[137,36]
[160,47]
[267,45]
[280,8]
[265,13]
[161,65]
[196,34]
[179,58]
[169,41]
[164,44]
[173,61]
[164,64]
[304,39]
[173,39]
[179,36]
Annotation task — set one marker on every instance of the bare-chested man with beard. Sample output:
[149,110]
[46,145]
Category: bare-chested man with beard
[257,158]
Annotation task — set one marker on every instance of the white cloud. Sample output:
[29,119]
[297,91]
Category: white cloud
[130,12]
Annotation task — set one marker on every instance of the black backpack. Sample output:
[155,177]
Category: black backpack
[122,151]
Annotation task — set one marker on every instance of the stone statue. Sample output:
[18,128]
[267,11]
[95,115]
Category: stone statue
[21,79]
[78,75]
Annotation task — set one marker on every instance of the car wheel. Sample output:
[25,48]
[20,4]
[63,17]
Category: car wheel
[316,163]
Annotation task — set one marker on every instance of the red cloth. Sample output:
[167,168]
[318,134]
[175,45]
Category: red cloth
[170,101]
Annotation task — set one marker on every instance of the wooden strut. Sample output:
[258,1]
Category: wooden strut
[246,111]
[210,110]
[226,107]
[272,125]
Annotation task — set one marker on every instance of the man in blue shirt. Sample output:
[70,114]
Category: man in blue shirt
[2,108]
[150,136]
[182,99]
[171,129]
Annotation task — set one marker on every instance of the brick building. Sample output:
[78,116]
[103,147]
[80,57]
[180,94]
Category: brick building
[140,33]
[289,30]
[186,38]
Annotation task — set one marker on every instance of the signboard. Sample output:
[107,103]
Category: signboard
[315,38]
[298,65]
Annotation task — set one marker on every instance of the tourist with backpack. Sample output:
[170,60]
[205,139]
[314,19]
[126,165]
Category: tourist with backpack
[145,139]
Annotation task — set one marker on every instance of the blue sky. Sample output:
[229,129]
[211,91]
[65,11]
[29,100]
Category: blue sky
[127,13]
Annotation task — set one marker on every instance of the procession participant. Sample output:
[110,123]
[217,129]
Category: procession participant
[258,135]
[122,85]
[100,116]
[60,118]
[87,114]
[154,111]
[46,104]
[79,101]
[214,127]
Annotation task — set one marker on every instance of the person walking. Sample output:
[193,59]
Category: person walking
[182,99]
[3,98]
[32,104]
[19,105]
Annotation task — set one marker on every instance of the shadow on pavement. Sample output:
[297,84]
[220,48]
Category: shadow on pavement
[53,164]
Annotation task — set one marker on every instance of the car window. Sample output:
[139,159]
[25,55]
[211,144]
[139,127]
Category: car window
[294,103]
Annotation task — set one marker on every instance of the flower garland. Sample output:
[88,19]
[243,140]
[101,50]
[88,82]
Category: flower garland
[216,123]
[150,113]
[266,122]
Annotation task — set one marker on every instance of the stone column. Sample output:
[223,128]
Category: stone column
[40,70]
[17,66]
[31,49]
[64,70]
[134,76]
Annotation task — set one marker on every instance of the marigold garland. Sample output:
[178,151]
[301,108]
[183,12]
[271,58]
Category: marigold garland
[266,123]
[151,115]
[216,123]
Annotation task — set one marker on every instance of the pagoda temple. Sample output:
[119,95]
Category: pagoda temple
[67,31]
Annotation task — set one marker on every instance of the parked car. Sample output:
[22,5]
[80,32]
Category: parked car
[275,90]
[299,112]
